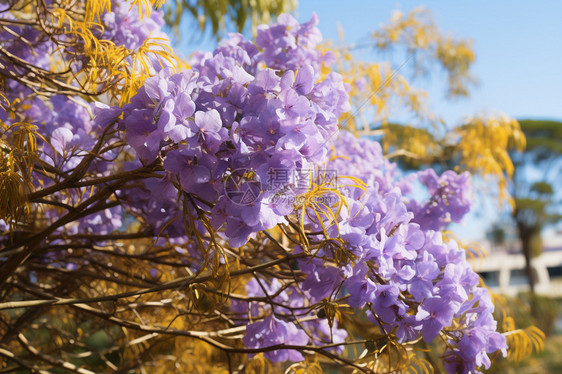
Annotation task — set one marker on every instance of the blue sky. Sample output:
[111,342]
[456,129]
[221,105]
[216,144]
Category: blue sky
[518,47]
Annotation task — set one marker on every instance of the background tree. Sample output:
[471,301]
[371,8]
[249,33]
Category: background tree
[218,16]
[536,187]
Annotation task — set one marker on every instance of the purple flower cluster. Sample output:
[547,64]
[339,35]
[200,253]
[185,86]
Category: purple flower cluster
[66,122]
[272,331]
[223,126]
[404,275]
[449,202]
[289,45]
[243,111]
[477,340]
[124,27]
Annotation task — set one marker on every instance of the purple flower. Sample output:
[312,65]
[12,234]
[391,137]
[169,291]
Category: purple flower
[302,82]
[408,328]
[237,232]
[60,139]
[271,332]
[207,128]
[194,171]
[292,105]
[263,289]
[458,280]
[353,223]
[321,280]
[477,341]
[386,304]
[421,285]
[361,290]
[104,114]
[142,133]
[435,313]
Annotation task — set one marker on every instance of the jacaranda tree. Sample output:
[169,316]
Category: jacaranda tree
[212,215]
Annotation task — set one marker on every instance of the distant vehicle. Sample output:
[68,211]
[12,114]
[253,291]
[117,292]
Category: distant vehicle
[505,272]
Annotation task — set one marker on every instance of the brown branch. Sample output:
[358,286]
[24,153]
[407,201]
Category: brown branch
[177,283]
[11,356]
[51,360]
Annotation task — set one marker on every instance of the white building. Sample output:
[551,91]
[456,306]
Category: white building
[505,272]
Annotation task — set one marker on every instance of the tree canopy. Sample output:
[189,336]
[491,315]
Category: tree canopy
[536,186]
[221,214]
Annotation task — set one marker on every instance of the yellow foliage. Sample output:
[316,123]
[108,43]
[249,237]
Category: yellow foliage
[95,8]
[316,204]
[145,6]
[18,153]
[140,68]
[258,365]
[218,14]
[391,356]
[310,366]
[12,189]
[413,142]
[418,366]
[417,32]
[376,87]
[483,145]
[523,342]
[105,67]
[187,356]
